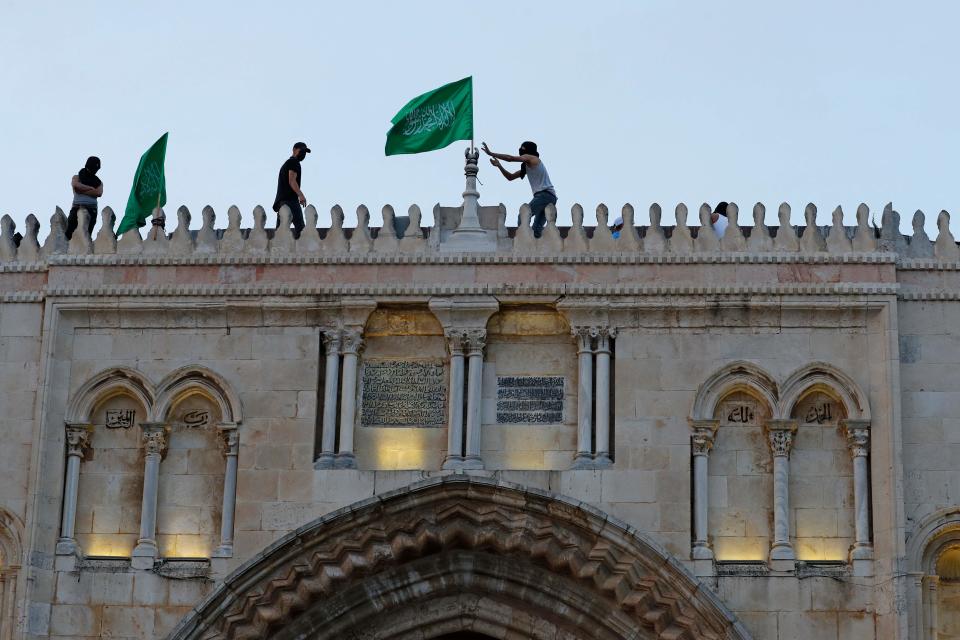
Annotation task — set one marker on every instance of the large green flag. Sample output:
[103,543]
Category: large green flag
[434,120]
[149,189]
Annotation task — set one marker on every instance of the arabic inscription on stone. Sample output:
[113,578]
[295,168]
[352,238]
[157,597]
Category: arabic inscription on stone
[530,399]
[398,393]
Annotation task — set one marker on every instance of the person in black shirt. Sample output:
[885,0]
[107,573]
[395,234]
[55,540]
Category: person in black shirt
[288,187]
[87,187]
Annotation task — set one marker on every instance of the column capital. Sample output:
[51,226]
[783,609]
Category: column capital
[351,340]
[858,441]
[476,339]
[155,436]
[702,438]
[780,436]
[584,335]
[331,340]
[79,436]
[229,438]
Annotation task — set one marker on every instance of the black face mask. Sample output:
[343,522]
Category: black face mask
[522,151]
[301,154]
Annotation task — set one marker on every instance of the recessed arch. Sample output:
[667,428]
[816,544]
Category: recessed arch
[737,376]
[11,547]
[194,379]
[108,384]
[827,379]
[457,540]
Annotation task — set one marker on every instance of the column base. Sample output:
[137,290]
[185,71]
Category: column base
[223,551]
[783,551]
[583,461]
[472,462]
[144,555]
[861,552]
[702,552]
[602,461]
[325,461]
[703,568]
[453,463]
[345,461]
[67,547]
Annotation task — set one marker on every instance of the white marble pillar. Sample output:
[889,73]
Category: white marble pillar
[858,441]
[78,438]
[584,337]
[780,438]
[602,456]
[352,344]
[328,432]
[931,607]
[455,457]
[8,603]
[230,445]
[155,445]
[5,620]
[476,342]
[704,432]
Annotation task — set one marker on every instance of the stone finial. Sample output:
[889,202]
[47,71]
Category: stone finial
[56,241]
[361,241]
[502,233]
[336,239]
[80,242]
[603,240]
[920,245]
[309,240]
[576,241]
[760,239]
[413,240]
[837,240]
[812,240]
[157,242]
[629,239]
[681,241]
[786,239]
[29,250]
[8,248]
[387,240]
[707,240]
[524,241]
[232,240]
[890,237]
[207,241]
[181,242]
[257,240]
[864,238]
[283,241]
[945,247]
[655,241]
[733,239]
[106,241]
[131,242]
[550,240]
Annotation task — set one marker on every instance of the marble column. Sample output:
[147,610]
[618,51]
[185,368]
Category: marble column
[476,342]
[780,438]
[704,432]
[8,603]
[328,432]
[455,458]
[931,607]
[602,456]
[155,444]
[858,441]
[230,445]
[584,337]
[352,344]
[78,438]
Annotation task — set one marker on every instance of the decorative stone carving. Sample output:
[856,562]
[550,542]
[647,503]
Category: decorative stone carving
[733,239]
[780,441]
[811,240]
[78,439]
[786,239]
[181,242]
[681,241]
[946,246]
[707,240]
[283,241]
[155,440]
[760,240]
[80,242]
[207,241]
[106,241]
[920,245]
[655,240]
[29,250]
[400,393]
[837,240]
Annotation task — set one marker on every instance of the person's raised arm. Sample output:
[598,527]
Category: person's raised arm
[292,177]
[506,174]
[526,158]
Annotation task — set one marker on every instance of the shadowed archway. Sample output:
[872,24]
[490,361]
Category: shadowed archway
[457,555]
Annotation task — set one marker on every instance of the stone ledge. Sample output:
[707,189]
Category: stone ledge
[750,568]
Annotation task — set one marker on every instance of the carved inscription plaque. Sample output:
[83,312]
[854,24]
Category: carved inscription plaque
[397,393]
[529,399]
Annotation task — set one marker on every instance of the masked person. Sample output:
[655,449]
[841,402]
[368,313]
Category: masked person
[536,174]
[288,187]
[87,187]
[719,219]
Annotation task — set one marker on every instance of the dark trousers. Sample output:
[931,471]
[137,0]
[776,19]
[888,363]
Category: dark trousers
[296,215]
[538,209]
[72,218]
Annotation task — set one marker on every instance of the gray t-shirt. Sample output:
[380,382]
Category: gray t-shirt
[539,179]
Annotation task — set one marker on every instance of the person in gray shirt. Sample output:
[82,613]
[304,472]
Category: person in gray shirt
[531,168]
[87,187]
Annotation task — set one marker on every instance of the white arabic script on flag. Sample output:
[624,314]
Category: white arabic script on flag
[429,118]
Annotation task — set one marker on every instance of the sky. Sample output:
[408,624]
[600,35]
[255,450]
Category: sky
[834,103]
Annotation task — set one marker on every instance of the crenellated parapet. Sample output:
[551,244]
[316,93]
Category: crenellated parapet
[400,236]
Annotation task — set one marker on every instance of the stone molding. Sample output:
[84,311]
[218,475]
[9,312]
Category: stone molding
[780,434]
[79,438]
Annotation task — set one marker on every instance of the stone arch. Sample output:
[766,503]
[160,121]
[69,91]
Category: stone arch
[934,536]
[461,553]
[827,379]
[194,379]
[11,557]
[737,376]
[105,385]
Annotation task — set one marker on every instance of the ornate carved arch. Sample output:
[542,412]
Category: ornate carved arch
[463,553]
[927,540]
[736,376]
[11,549]
[823,377]
[105,385]
[195,379]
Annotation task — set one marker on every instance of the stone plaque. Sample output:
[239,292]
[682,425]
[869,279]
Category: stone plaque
[399,393]
[530,399]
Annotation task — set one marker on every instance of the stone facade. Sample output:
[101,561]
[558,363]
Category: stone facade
[242,434]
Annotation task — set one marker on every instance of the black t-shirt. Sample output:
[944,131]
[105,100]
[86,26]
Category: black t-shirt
[285,192]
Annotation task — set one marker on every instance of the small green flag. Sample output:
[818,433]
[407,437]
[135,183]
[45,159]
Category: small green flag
[434,120]
[149,189]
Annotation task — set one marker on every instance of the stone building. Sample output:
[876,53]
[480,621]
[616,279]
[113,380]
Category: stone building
[468,432]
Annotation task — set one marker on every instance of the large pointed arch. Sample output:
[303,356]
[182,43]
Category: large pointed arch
[827,379]
[737,376]
[461,553]
[194,379]
[105,385]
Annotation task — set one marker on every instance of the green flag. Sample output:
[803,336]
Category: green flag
[149,189]
[434,120]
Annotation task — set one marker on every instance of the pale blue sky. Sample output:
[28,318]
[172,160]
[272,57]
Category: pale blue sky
[822,101]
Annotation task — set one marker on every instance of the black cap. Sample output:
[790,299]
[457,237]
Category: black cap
[721,208]
[302,145]
[92,164]
[531,148]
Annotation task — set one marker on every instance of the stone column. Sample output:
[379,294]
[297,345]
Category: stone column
[584,337]
[780,438]
[858,441]
[328,433]
[351,346]
[476,342]
[78,438]
[704,432]
[455,458]
[602,456]
[5,621]
[155,444]
[230,445]
[931,597]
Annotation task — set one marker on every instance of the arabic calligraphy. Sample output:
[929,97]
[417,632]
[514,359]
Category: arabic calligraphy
[196,418]
[820,413]
[121,418]
[741,413]
[429,118]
